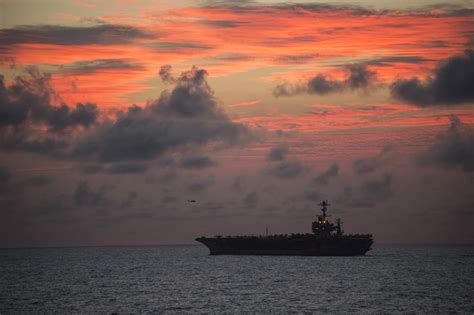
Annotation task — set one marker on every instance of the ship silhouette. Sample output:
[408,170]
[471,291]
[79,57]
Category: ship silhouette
[327,239]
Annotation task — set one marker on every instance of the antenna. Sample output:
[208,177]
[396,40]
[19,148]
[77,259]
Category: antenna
[324,207]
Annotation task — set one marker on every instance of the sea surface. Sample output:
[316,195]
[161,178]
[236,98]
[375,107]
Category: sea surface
[177,279]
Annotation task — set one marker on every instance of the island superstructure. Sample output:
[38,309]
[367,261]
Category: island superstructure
[327,239]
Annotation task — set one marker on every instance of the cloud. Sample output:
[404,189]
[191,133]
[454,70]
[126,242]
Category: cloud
[200,185]
[370,164]
[453,148]
[278,153]
[129,200]
[191,97]
[29,98]
[358,77]
[38,180]
[312,195]
[324,177]
[250,200]
[178,47]
[197,162]
[127,168]
[186,116]
[285,170]
[369,193]
[103,34]
[386,61]
[85,196]
[239,183]
[451,83]
[98,65]
[5,175]
[165,74]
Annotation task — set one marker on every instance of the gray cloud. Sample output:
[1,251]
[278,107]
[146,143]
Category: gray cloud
[166,75]
[5,175]
[37,180]
[29,98]
[386,61]
[278,153]
[127,168]
[188,115]
[250,200]
[177,47]
[98,65]
[324,177]
[200,185]
[129,200]
[296,59]
[370,164]
[103,34]
[285,169]
[453,148]
[452,83]
[312,195]
[197,162]
[85,196]
[369,193]
[239,183]
[358,77]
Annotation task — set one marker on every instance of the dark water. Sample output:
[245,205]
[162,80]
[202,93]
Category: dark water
[421,279]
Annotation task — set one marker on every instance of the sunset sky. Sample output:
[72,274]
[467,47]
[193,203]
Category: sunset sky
[113,114]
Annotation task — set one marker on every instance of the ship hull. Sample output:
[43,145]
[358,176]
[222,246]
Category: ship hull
[302,245]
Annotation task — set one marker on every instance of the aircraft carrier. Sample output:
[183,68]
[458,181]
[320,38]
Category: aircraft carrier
[327,239]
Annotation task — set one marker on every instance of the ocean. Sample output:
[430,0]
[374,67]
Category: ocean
[178,279]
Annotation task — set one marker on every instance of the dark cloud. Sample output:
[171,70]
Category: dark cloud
[38,180]
[197,162]
[239,183]
[451,83]
[85,196]
[103,34]
[324,177]
[177,47]
[358,77]
[278,153]
[296,59]
[99,65]
[200,185]
[169,199]
[453,148]
[91,168]
[191,97]
[127,168]
[185,117]
[63,117]
[376,190]
[129,200]
[370,164]
[285,170]
[388,60]
[188,115]
[18,139]
[30,97]
[369,193]
[312,195]
[224,23]
[165,74]
[250,200]
[5,175]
